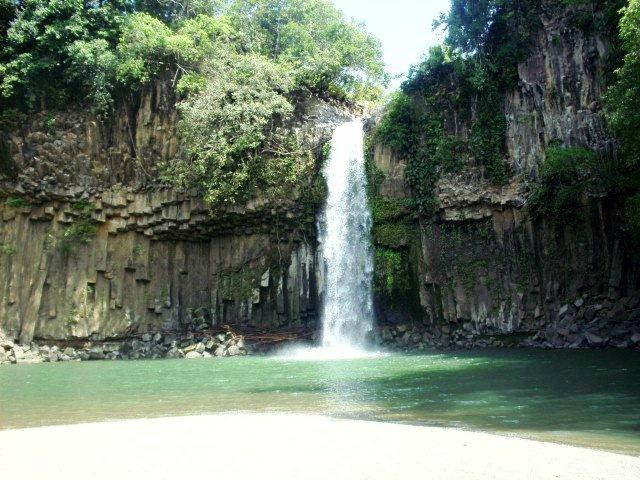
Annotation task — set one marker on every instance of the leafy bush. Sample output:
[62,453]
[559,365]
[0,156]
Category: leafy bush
[224,129]
[399,127]
[566,177]
[16,202]
[83,228]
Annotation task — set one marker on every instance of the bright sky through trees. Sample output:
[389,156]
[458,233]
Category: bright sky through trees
[403,26]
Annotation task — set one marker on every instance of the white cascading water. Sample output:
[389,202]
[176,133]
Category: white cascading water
[344,229]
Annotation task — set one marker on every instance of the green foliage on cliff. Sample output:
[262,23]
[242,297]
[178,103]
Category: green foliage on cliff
[566,177]
[458,88]
[57,52]
[623,98]
[623,106]
[82,229]
[449,113]
[230,151]
[16,202]
[389,209]
[391,276]
[570,175]
[392,234]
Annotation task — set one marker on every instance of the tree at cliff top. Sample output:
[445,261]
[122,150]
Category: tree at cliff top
[322,50]
[623,102]
[61,51]
[39,47]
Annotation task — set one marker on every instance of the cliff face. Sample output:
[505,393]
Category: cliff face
[94,247]
[484,267]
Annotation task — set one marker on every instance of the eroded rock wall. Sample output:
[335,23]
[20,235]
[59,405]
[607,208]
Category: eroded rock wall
[483,266]
[156,261]
[93,246]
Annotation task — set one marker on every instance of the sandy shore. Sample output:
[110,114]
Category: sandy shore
[297,447]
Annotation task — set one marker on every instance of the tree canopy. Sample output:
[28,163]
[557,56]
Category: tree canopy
[623,104]
[124,43]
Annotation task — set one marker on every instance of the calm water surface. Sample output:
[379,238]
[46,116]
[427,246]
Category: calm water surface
[586,398]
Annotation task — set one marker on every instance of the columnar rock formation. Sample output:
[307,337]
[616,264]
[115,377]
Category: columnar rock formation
[156,259]
[484,267]
[161,260]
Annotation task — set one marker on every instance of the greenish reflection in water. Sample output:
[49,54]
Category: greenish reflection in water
[586,398]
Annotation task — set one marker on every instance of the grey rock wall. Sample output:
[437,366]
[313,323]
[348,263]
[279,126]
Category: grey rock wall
[484,267]
[156,259]
[157,262]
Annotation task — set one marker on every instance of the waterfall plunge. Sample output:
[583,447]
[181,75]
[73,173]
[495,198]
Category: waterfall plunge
[344,229]
[345,254]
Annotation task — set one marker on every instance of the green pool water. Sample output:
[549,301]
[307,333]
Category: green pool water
[585,398]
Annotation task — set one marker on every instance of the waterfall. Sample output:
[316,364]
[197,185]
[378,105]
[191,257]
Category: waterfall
[344,229]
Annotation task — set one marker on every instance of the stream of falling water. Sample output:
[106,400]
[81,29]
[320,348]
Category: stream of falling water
[345,254]
[344,229]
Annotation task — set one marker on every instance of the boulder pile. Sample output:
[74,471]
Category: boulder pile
[146,346]
[583,323]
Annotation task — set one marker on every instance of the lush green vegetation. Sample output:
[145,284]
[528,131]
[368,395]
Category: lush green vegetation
[82,229]
[448,115]
[459,87]
[567,176]
[623,104]
[235,66]
[59,51]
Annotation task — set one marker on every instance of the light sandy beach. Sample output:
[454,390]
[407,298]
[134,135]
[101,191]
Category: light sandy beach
[282,446]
